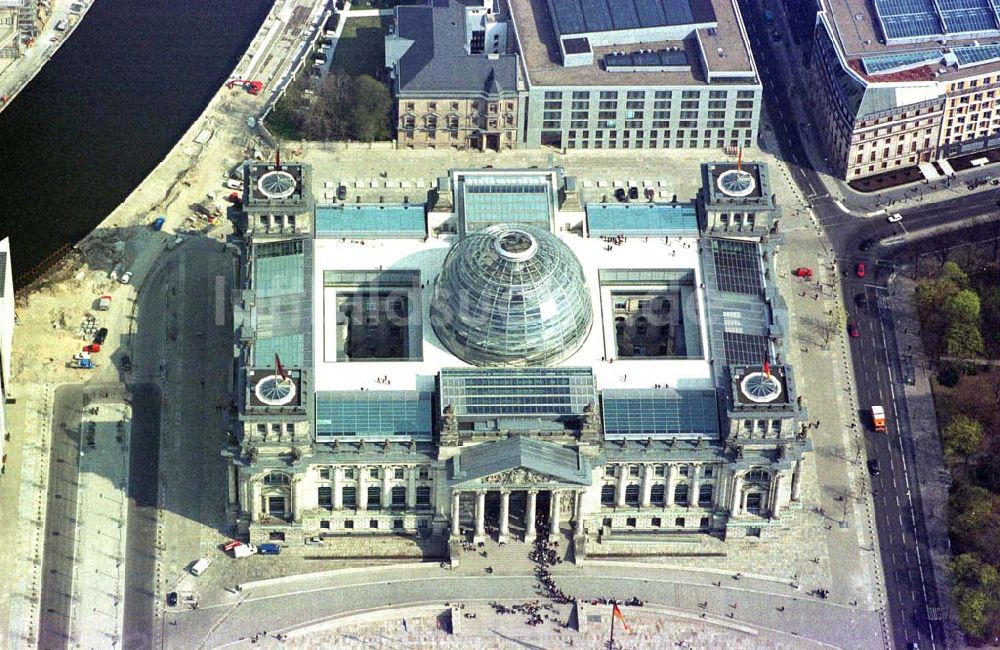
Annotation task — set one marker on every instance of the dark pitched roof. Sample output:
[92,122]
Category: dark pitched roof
[437,60]
[544,461]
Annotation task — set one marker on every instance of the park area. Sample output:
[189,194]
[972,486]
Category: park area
[350,100]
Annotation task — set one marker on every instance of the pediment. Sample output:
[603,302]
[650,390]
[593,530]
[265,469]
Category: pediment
[518,476]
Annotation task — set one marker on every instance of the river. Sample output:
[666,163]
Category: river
[107,109]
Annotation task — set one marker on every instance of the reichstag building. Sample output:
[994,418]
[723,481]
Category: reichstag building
[494,366]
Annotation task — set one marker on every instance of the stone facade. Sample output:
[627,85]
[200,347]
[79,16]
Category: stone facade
[488,123]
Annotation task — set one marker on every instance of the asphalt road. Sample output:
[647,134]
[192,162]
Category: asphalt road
[910,587]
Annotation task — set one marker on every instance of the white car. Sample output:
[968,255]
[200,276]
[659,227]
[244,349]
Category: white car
[126,277]
[893,218]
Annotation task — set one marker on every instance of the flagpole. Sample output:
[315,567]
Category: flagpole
[611,642]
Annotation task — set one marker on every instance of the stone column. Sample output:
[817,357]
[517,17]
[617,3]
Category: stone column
[362,499]
[620,495]
[338,488]
[671,474]
[480,534]
[578,515]
[456,514]
[695,486]
[776,495]
[255,500]
[647,485]
[386,488]
[797,481]
[504,516]
[297,499]
[411,488]
[554,517]
[737,501]
[529,517]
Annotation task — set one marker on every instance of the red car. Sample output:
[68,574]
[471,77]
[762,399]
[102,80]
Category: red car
[803,272]
[93,347]
[860,270]
[852,329]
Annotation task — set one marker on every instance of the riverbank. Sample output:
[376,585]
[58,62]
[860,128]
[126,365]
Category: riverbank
[19,73]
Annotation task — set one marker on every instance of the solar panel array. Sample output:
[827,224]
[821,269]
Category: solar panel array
[373,414]
[975,54]
[586,16]
[927,19]
[509,392]
[737,266]
[371,221]
[745,349]
[650,59]
[659,413]
[899,61]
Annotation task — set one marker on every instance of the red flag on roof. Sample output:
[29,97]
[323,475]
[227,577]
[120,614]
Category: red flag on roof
[281,368]
[767,368]
[618,614]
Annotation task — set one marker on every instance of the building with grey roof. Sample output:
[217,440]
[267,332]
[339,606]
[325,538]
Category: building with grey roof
[455,82]
[506,378]
[906,83]
[660,74]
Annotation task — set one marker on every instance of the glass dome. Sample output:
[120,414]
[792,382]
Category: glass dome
[511,295]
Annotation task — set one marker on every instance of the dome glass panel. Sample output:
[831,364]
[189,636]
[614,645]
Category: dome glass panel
[511,295]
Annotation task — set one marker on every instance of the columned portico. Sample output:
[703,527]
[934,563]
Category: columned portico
[578,515]
[554,515]
[456,527]
[480,534]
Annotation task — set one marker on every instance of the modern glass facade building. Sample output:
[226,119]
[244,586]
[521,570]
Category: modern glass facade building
[511,296]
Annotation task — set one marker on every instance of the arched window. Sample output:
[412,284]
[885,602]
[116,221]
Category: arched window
[398,497]
[632,495]
[705,493]
[757,475]
[608,495]
[324,498]
[681,494]
[374,498]
[658,494]
[423,497]
[277,478]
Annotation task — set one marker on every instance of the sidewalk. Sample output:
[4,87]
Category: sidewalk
[933,477]
[99,574]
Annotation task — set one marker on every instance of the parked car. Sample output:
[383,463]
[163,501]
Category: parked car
[158,223]
[860,270]
[895,218]
[126,364]
[861,301]
[873,467]
[269,549]
[101,335]
[126,277]
[621,195]
[172,599]
[93,347]
[852,329]
[803,272]
[341,192]
[315,540]
[633,192]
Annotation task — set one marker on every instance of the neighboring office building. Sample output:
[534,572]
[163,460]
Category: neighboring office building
[634,74]
[455,83]
[485,380]
[902,84]
[6,334]
[671,74]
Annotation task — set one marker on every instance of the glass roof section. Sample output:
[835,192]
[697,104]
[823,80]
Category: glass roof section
[373,414]
[641,219]
[281,315]
[888,63]
[513,392]
[585,16]
[660,413]
[377,221]
[976,54]
[488,200]
[658,59]
[922,20]
[511,295]
[737,266]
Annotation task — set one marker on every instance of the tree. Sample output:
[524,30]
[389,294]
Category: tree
[963,340]
[953,273]
[976,586]
[369,113]
[963,306]
[975,524]
[963,436]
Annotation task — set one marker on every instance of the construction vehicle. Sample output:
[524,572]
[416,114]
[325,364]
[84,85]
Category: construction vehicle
[82,364]
[878,419]
[104,303]
[252,86]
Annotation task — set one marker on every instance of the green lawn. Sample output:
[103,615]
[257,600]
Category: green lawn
[361,48]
